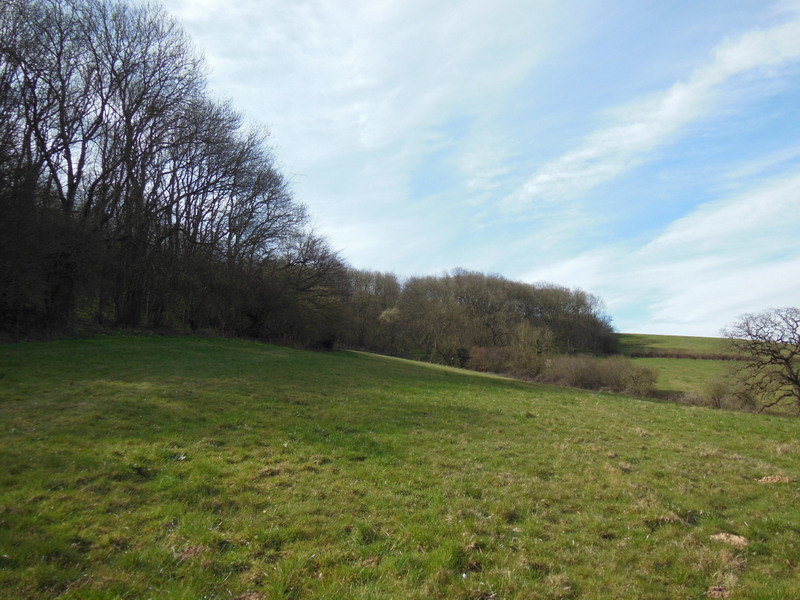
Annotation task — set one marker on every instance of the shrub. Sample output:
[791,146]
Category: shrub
[572,371]
[722,392]
[637,379]
[511,360]
[716,391]
[692,398]
[616,374]
[489,359]
[727,392]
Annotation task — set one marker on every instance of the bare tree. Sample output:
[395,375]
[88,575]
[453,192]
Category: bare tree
[126,191]
[770,341]
[45,137]
[369,296]
[432,319]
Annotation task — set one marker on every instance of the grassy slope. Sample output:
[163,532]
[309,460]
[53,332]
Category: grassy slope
[678,375]
[188,468]
[632,343]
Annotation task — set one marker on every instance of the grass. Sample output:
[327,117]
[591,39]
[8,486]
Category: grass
[669,355]
[635,344]
[138,467]
[679,375]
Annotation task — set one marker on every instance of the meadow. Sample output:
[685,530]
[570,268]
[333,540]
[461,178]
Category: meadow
[157,467]
[685,365]
[677,376]
[638,344]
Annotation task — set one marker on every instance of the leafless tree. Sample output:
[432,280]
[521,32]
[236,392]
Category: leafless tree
[770,343]
[447,317]
[370,295]
[117,170]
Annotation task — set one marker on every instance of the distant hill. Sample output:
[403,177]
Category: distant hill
[637,345]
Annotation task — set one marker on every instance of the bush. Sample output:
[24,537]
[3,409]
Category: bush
[722,392]
[728,393]
[572,371]
[716,392]
[509,360]
[615,374]
[637,379]
[489,359]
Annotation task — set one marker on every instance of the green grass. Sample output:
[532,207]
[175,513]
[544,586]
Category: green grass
[144,467]
[638,344]
[679,375]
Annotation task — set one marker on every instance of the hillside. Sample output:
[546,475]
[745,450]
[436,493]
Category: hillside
[211,468]
[675,346]
[685,365]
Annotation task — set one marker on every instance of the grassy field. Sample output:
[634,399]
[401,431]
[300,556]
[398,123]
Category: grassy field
[677,375]
[144,467]
[638,344]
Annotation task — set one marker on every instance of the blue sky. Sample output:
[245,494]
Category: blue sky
[645,151]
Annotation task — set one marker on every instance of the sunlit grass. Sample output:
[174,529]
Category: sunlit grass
[191,468]
[679,375]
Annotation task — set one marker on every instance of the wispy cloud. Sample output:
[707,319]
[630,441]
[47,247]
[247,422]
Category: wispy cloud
[762,165]
[425,136]
[730,256]
[638,128]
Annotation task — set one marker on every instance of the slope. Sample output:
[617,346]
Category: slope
[212,468]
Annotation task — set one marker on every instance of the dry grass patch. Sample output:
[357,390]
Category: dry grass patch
[737,541]
[773,479]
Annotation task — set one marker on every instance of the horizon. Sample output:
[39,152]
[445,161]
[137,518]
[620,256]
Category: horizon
[648,154]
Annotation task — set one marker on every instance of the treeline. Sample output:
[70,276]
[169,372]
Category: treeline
[130,197]
[469,319]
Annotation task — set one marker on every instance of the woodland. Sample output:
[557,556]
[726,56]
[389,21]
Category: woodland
[131,199]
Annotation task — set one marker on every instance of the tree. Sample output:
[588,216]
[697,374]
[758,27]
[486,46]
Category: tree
[770,343]
[130,196]
[372,312]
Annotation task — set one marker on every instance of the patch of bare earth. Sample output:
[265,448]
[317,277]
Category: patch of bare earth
[737,541]
[718,591]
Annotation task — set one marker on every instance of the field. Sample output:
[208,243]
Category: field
[633,344]
[679,375]
[676,374]
[147,467]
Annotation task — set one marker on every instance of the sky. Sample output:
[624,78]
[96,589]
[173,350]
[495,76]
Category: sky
[647,152]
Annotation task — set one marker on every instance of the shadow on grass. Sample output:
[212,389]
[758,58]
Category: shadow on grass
[171,391]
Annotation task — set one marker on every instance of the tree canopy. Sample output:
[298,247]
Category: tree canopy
[458,317]
[128,194]
[132,198]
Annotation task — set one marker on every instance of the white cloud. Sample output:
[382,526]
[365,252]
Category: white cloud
[366,74]
[727,257]
[360,95]
[639,128]
[762,165]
